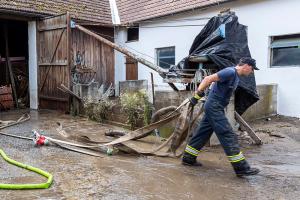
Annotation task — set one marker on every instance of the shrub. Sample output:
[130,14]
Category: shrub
[136,106]
[97,109]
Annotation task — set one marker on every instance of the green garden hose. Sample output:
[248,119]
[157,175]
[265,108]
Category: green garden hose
[30,168]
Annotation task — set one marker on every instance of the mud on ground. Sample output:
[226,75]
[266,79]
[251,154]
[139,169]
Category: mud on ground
[78,176]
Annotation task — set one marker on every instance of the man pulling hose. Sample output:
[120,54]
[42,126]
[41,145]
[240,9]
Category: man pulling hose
[214,119]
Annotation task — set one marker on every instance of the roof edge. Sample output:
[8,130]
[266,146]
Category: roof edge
[178,12]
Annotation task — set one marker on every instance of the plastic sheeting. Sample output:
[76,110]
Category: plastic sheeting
[224,41]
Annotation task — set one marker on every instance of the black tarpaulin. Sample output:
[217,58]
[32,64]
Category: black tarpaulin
[224,41]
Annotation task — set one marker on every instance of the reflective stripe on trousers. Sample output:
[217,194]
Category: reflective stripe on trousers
[191,150]
[236,158]
[214,120]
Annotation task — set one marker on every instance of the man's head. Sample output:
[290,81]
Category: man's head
[247,65]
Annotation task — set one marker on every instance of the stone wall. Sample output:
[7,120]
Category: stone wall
[133,86]
[267,104]
[265,107]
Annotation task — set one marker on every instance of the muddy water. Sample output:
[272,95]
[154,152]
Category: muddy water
[78,176]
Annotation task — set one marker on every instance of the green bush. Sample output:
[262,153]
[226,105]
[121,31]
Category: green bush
[97,110]
[136,106]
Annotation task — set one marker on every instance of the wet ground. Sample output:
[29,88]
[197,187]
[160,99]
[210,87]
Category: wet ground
[78,176]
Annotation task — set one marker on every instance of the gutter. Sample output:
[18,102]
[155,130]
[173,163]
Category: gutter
[114,12]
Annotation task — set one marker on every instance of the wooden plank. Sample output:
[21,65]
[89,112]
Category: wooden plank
[53,98]
[69,48]
[67,90]
[152,87]
[122,50]
[53,64]
[52,28]
[69,60]
[13,59]
[173,86]
[248,129]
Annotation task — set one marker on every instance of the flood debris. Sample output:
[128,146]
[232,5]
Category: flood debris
[5,124]
[245,126]
[97,107]
[271,132]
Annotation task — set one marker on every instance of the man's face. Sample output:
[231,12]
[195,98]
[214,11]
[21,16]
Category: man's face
[247,70]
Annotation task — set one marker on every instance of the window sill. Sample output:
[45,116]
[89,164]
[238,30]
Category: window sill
[285,66]
[131,41]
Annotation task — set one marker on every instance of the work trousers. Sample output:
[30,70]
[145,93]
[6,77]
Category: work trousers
[214,120]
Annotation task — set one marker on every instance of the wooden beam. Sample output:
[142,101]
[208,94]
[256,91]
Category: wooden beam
[13,59]
[53,98]
[69,52]
[63,88]
[173,86]
[12,79]
[152,66]
[247,128]
[53,64]
[152,87]
[52,28]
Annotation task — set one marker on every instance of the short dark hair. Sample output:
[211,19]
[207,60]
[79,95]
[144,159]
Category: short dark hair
[249,61]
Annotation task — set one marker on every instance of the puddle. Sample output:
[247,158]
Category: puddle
[78,176]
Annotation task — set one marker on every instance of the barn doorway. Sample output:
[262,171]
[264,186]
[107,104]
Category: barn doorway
[14,72]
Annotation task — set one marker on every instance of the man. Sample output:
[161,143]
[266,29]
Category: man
[214,120]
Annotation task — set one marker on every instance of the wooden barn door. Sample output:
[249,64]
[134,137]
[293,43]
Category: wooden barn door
[131,69]
[54,62]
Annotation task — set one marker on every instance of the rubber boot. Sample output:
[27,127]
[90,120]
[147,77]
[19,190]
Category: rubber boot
[242,168]
[190,160]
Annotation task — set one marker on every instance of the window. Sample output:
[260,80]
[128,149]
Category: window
[285,51]
[132,34]
[165,57]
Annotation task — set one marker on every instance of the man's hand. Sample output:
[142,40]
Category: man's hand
[198,95]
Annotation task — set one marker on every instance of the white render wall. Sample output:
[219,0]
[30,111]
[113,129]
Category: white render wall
[33,69]
[264,18]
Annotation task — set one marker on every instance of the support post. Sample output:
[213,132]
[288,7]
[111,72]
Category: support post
[152,87]
[32,65]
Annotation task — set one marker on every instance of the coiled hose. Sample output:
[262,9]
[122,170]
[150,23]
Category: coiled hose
[30,168]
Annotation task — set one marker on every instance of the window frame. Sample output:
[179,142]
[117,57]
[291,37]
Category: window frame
[157,55]
[272,38]
[127,34]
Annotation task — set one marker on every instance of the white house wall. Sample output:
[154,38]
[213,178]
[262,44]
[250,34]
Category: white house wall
[264,18]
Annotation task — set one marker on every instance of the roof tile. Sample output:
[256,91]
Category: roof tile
[89,10]
[138,10]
